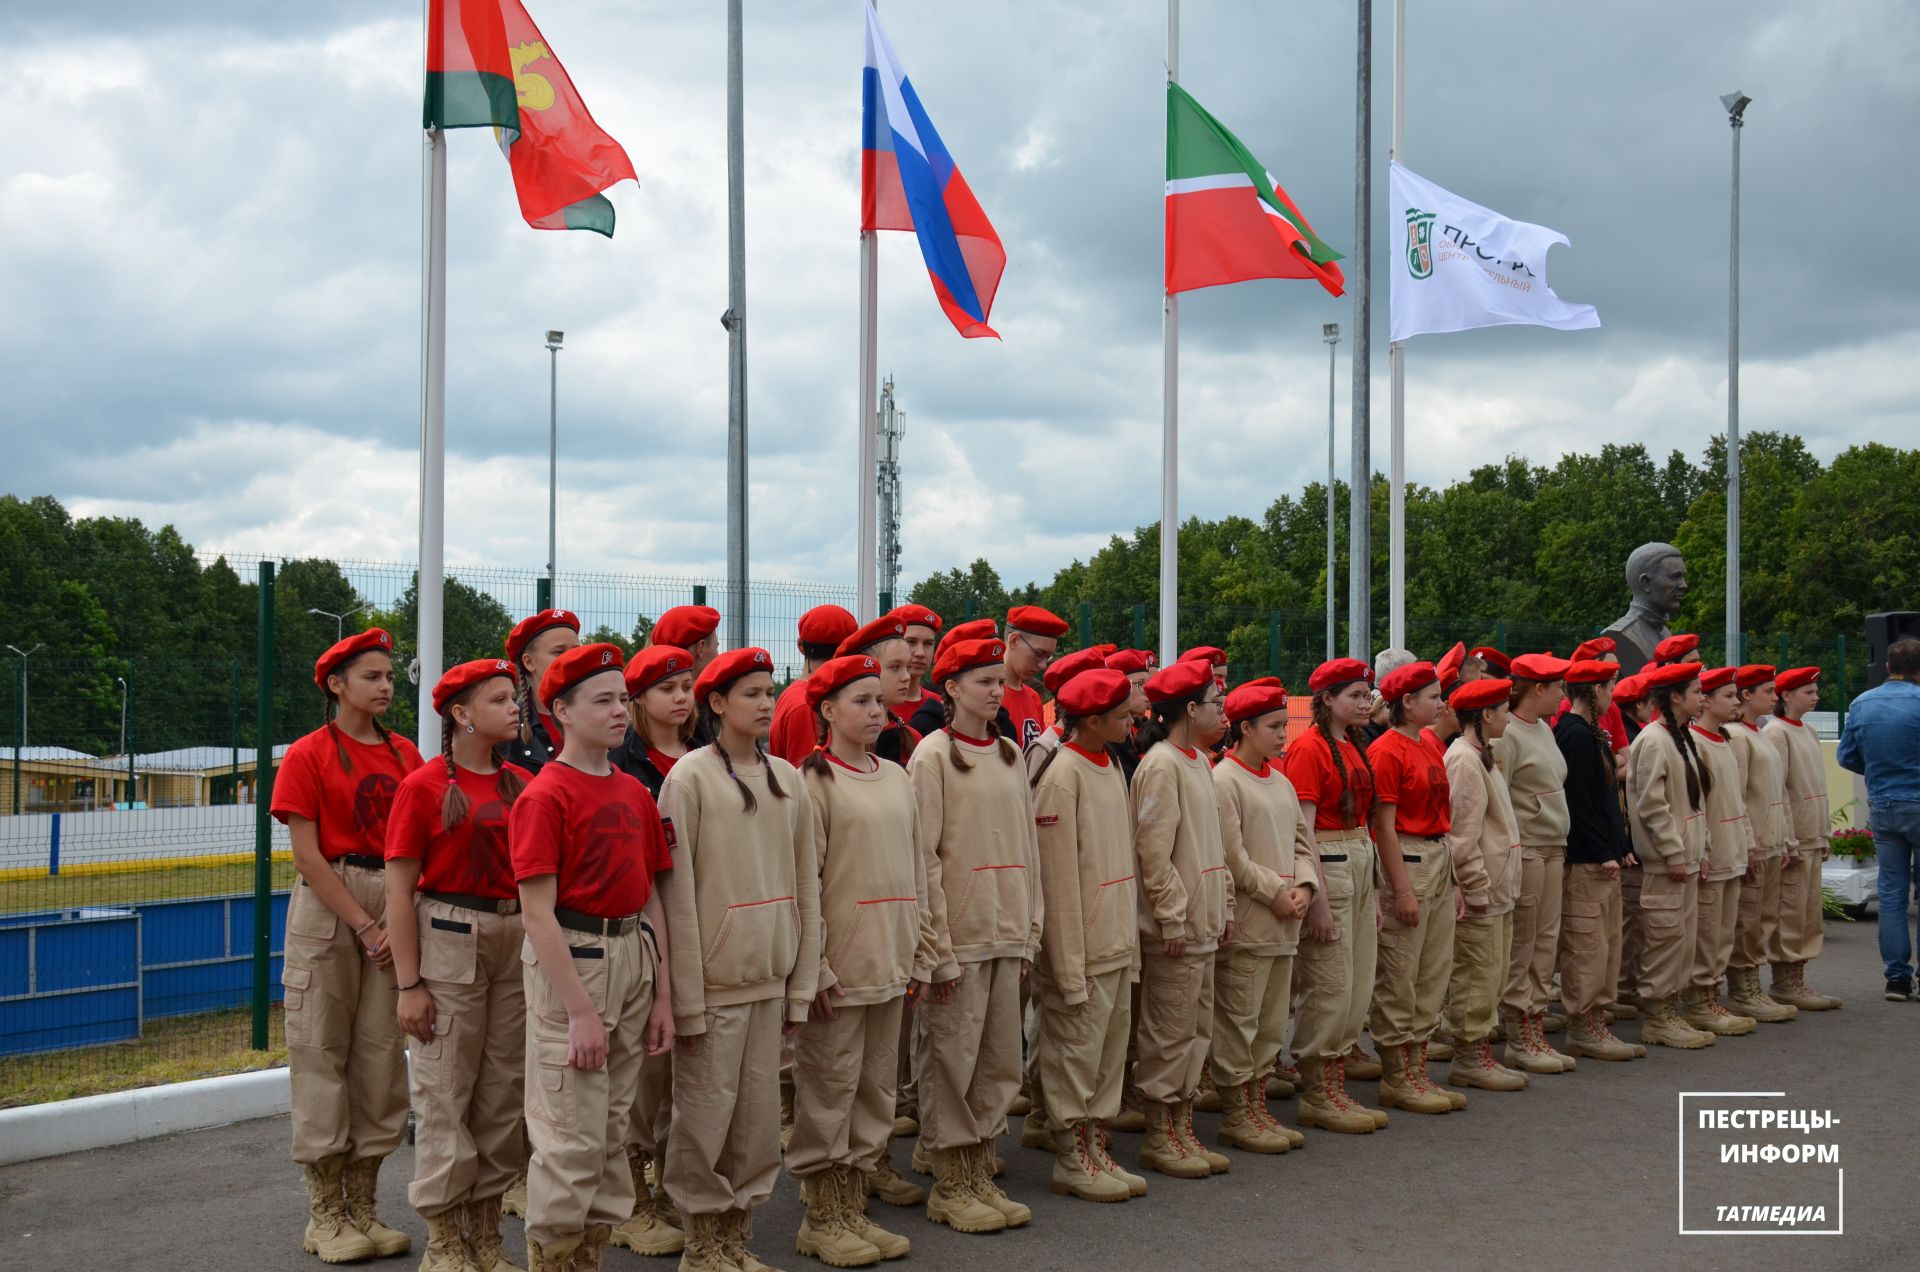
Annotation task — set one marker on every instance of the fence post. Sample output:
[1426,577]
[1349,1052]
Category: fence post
[699,593]
[886,602]
[262,825]
[19,725]
[1086,624]
[132,778]
[1500,635]
[542,594]
[1140,626]
[1273,642]
[1781,662]
[1845,697]
[233,704]
[969,610]
[53,848]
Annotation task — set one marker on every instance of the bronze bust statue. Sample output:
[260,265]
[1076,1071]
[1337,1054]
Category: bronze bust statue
[1657,578]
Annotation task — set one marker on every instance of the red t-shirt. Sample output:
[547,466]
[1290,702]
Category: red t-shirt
[1309,766]
[1406,775]
[472,857]
[347,801]
[1024,709]
[792,737]
[602,836]
[1434,744]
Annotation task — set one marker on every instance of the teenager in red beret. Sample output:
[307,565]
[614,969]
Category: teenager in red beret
[1335,966]
[532,646]
[453,915]
[1415,960]
[587,844]
[744,904]
[345,1052]
[1536,776]
[1485,847]
[1758,924]
[821,629]
[1033,635]
[877,942]
[885,640]
[1590,931]
[1667,788]
[1636,712]
[1089,948]
[977,838]
[1137,665]
[1729,845]
[1490,659]
[694,628]
[1679,647]
[929,717]
[923,636]
[1801,936]
[1058,673]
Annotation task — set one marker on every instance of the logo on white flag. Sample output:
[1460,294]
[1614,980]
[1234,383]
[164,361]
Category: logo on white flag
[1419,243]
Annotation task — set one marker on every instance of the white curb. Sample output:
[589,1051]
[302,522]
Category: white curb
[122,1117]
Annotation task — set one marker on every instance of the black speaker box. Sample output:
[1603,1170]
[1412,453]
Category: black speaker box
[1883,630]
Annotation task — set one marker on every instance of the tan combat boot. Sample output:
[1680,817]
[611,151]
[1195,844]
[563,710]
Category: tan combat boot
[905,1124]
[851,1187]
[480,1222]
[559,1255]
[952,1200]
[1076,1169]
[736,1228]
[1588,1035]
[1219,1163]
[1359,1066]
[1035,1133]
[1209,1099]
[646,1232]
[1340,1076]
[1294,1138]
[1551,1022]
[1102,1145]
[1520,1053]
[514,1200]
[1474,1066]
[1701,1009]
[446,1246]
[1022,1102]
[825,1234]
[1537,1023]
[330,1233]
[1622,1009]
[1455,1098]
[986,1165]
[1663,1026]
[786,1112]
[1401,1089]
[1795,991]
[593,1248]
[1245,1125]
[890,1186]
[1286,1082]
[1745,997]
[706,1250]
[362,1183]
[920,1161]
[1324,1102]
[1165,1151]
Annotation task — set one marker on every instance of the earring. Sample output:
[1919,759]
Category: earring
[469,728]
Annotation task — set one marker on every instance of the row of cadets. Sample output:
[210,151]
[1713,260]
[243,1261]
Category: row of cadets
[821,629]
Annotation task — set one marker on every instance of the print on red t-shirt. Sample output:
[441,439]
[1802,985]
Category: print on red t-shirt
[347,802]
[471,858]
[1406,775]
[601,835]
[1309,765]
[1022,703]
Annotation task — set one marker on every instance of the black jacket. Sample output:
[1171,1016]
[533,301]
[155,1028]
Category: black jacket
[631,757]
[1597,832]
[531,756]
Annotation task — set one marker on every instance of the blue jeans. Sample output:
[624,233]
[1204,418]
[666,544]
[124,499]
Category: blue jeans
[1896,840]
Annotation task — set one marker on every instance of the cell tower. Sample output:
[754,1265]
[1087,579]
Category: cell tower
[891,426]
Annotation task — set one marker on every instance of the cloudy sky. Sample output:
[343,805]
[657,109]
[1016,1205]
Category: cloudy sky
[210,239]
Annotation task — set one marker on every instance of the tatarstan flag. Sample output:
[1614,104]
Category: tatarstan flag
[1227,221]
[489,66]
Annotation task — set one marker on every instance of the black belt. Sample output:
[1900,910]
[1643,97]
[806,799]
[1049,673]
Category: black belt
[364,861]
[1333,856]
[575,921]
[466,901]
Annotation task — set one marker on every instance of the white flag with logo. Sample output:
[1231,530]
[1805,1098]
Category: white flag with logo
[1460,266]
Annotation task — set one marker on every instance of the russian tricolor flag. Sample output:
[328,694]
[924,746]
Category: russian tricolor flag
[908,181]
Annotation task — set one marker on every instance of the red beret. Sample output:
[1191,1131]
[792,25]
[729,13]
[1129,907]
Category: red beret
[655,663]
[1670,675]
[963,656]
[1753,675]
[582,662]
[972,629]
[1179,680]
[1472,695]
[1717,678]
[729,667]
[886,627]
[352,647]
[918,616]
[1794,677]
[1267,682]
[1448,668]
[1590,650]
[1077,663]
[1630,690]
[827,625]
[1338,674]
[1031,618]
[1541,668]
[1411,678]
[527,628]
[1209,653]
[830,678]
[1591,671]
[1255,698]
[465,676]
[685,625]
[1675,647]
[1093,691]
[1490,656]
[1128,661]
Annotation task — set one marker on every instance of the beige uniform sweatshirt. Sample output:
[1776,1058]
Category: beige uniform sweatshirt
[1269,850]
[1185,890]
[1536,774]
[1086,869]
[1482,839]
[1729,833]
[1667,829]
[743,897]
[1766,770]
[875,932]
[1806,771]
[981,859]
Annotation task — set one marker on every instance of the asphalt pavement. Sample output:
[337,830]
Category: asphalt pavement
[1581,1171]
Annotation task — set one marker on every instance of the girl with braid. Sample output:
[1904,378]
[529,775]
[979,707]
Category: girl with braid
[743,910]
[532,646]
[1729,848]
[1336,964]
[346,1055]
[453,913]
[1667,788]
[1759,918]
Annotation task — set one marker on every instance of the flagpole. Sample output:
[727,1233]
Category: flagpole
[1170,422]
[1396,367]
[867,499]
[1360,501]
[736,323]
[430,580]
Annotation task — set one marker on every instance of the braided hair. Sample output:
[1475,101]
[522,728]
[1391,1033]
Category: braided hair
[1588,696]
[524,696]
[1006,748]
[711,719]
[1069,726]
[1161,716]
[1699,781]
[333,708]
[1474,720]
[454,805]
[1323,721]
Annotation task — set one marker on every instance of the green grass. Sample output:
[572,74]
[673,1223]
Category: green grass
[121,888]
[199,1046]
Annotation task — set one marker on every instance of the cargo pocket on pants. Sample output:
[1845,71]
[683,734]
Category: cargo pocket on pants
[447,949]
[551,1096]
[1581,923]
[1660,913]
[430,1052]
[296,1007]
